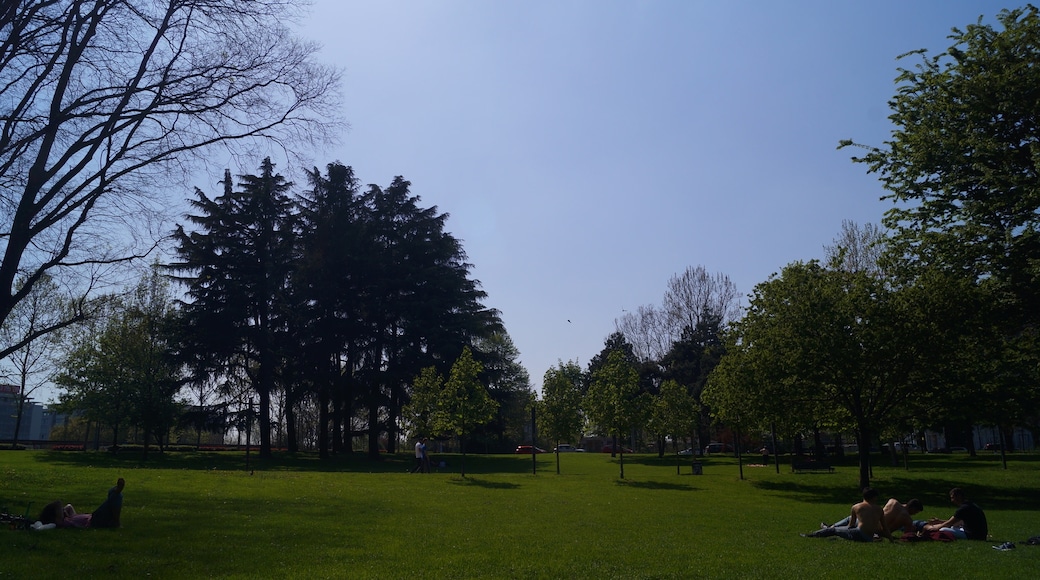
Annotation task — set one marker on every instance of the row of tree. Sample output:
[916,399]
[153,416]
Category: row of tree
[932,323]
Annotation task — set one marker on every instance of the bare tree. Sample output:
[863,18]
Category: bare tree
[104,101]
[695,294]
[857,248]
[31,366]
[648,331]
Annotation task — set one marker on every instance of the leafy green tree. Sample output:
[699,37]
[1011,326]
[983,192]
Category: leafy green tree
[835,341]
[674,413]
[423,411]
[509,386]
[960,169]
[121,371]
[88,382]
[236,266]
[465,403]
[560,416]
[614,402]
[690,360]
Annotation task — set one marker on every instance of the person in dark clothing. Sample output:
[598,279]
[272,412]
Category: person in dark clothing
[105,516]
[967,523]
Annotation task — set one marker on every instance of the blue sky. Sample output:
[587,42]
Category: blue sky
[587,151]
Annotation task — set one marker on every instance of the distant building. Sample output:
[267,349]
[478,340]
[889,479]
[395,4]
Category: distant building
[37,420]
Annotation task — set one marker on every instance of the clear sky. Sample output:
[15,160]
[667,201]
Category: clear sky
[587,151]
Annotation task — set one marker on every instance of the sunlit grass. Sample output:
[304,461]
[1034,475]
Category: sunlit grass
[204,515]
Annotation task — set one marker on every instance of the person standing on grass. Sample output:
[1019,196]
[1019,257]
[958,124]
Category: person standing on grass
[866,519]
[967,523]
[420,457]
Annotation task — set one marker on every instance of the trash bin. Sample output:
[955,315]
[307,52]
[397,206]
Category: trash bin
[698,468]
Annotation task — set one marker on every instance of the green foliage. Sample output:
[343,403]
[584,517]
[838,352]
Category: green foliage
[614,403]
[961,163]
[120,371]
[358,518]
[464,402]
[818,342]
[456,407]
[423,411]
[383,291]
[559,412]
[674,412]
[509,385]
[961,167]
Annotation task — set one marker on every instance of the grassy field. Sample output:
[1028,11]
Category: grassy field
[203,515]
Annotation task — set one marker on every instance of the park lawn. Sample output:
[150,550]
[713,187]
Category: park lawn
[204,515]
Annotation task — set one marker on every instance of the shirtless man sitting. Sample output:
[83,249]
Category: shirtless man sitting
[898,516]
[867,518]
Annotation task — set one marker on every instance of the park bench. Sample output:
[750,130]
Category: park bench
[811,465]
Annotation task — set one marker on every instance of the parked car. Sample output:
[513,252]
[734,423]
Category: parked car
[567,448]
[718,448]
[528,449]
[608,448]
[691,451]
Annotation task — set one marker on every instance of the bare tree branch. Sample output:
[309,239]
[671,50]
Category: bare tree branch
[103,102]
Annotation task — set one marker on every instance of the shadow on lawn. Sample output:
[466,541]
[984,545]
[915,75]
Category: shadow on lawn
[930,490]
[477,482]
[282,461]
[657,485]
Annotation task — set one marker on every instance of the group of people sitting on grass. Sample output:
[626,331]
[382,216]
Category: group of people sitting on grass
[106,515]
[869,520]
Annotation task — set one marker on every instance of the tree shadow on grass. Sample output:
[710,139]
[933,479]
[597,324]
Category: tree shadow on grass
[656,485]
[933,491]
[357,462]
[476,482]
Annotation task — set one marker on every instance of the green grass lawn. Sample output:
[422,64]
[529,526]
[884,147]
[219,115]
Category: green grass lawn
[202,515]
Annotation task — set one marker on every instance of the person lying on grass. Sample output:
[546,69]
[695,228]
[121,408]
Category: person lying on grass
[898,516]
[967,523]
[867,518]
[105,516]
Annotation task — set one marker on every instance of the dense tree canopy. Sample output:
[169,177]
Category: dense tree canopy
[962,168]
[236,265]
[334,301]
[826,341]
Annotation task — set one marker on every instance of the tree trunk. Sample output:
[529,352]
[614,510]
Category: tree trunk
[264,421]
[863,441]
[18,420]
[291,441]
[373,429]
[323,422]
